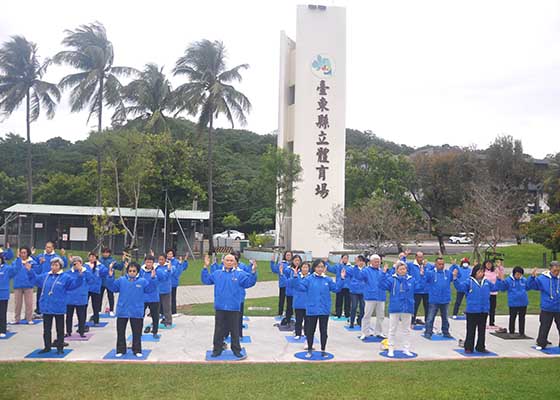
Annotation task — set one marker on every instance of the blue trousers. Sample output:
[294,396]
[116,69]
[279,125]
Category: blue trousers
[432,311]
[357,299]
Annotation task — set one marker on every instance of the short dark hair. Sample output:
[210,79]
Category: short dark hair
[518,269]
[294,257]
[286,252]
[106,250]
[149,258]
[361,258]
[236,254]
[475,269]
[133,264]
[170,250]
[92,253]
[316,262]
[26,248]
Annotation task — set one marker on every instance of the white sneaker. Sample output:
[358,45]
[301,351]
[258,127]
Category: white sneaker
[111,314]
[308,349]
[2,335]
[119,355]
[30,322]
[139,355]
[408,353]
[390,353]
[297,337]
[362,337]
[538,348]
[309,354]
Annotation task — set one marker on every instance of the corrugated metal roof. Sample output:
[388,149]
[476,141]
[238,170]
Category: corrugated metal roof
[91,211]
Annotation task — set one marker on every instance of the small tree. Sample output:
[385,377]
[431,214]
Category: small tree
[545,229]
[103,227]
[231,221]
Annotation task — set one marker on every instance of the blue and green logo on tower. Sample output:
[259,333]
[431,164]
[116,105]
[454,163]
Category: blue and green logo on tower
[322,66]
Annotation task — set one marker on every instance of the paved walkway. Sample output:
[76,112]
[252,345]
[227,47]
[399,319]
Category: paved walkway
[192,337]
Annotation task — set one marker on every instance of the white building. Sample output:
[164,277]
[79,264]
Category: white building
[312,123]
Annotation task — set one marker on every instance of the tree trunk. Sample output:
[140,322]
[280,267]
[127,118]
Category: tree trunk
[99,148]
[210,190]
[441,243]
[28,158]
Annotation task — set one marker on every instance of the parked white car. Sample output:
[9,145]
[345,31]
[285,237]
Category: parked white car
[461,238]
[271,233]
[230,234]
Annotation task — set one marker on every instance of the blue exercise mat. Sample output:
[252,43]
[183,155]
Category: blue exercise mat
[52,354]
[162,326]
[227,355]
[551,351]
[333,318]
[315,356]
[129,355]
[146,338]
[303,339]
[244,339]
[245,318]
[459,318]
[281,317]
[398,355]
[371,339]
[418,327]
[92,325]
[475,353]
[8,335]
[357,328]
[24,322]
[245,326]
[106,315]
[439,338]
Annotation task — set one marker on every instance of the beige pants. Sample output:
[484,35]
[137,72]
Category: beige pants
[399,328]
[22,295]
[379,308]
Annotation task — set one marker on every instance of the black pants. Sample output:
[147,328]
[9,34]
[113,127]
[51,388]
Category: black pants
[110,296]
[3,315]
[546,318]
[47,330]
[173,300]
[420,298]
[136,325]
[476,322]
[513,313]
[458,301]
[311,326]
[81,313]
[289,310]
[39,291]
[241,313]
[226,322]
[343,301]
[281,300]
[154,313]
[95,305]
[493,299]
[300,316]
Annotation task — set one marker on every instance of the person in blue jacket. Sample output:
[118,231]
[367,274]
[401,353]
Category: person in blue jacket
[228,283]
[98,272]
[247,268]
[7,272]
[343,299]
[275,268]
[164,288]
[55,286]
[517,286]
[548,283]
[23,285]
[318,287]
[374,298]
[130,305]
[110,263]
[151,299]
[6,252]
[438,283]
[77,298]
[288,273]
[300,302]
[356,287]
[420,290]
[179,266]
[463,276]
[401,286]
[44,260]
[477,290]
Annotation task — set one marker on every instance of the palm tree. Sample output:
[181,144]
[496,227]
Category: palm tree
[20,79]
[150,95]
[97,83]
[209,94]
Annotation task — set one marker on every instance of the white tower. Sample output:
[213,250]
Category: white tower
[312,123]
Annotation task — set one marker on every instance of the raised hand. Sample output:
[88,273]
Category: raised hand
[111,269]
[534,272]
[32,250]
[206,261]
[455,273]
[401,255]
[407,252]
[343,273]
[7,245]
[422,269]
[454,261]
[62,251]
[28,266]
[152,252]
[186,256]
[153,273]
[254,268]
[41,260]
[281,268]
[180,259]
[385,268]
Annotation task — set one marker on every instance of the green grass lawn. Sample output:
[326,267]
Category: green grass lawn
[272,303]
[473,379]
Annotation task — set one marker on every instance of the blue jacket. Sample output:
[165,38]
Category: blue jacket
[335,269]
[54,296]
[420,280]
[180,267]
[275,268]
[353,274]
[46,264]
[372,278]
[401,292]
[227,286]
[162,275]
[7,272]
[131,294]
[318,289]
[249,270]
[464,273]
[22,279]
[549,287]
[288,274]
[477,294]
[107,262]
[98,274]
[439,286]
[79,296]
[517,290]
[300,295]
[164,283]
[8,254]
